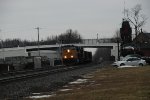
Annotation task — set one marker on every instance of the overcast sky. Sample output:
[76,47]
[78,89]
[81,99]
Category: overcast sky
[18,18]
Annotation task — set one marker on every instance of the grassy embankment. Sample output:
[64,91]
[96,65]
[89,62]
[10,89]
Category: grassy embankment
[111,84]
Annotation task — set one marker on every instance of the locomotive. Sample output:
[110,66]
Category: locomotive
[72,55]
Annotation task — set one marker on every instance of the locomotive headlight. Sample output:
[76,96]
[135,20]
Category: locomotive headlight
[65,57]
[71,56]
[68,50]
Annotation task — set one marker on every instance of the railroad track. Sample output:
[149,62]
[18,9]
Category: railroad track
[11,73]
[35,74]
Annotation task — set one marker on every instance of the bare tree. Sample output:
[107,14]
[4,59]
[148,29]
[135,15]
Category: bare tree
[70,36]
[117,38]
[136,18]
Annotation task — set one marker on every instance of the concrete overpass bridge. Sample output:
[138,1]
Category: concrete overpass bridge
[87,43]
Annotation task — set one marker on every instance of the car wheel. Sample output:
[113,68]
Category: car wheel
[140,64]
[122,64]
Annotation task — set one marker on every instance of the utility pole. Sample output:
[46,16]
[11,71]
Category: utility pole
[38,40]
[118,46]
[2,48]
[118,49]
[97,37]
[60,52]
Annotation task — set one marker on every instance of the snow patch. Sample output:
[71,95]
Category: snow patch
[41,96]
[127,66]
[79,81]
[63,90]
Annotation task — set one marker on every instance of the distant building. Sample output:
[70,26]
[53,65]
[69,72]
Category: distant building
[142,43]
[142,38]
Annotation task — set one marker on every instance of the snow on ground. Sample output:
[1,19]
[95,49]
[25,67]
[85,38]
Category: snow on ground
[40,96]
[79,81]
[127,66]
[65,90]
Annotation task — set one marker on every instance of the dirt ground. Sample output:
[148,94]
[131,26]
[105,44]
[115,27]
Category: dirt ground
[107,84]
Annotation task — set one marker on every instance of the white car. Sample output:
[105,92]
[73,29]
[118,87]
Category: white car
[131,55]
[133,61]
